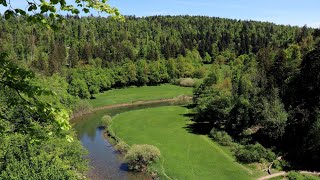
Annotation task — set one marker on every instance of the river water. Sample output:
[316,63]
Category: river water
[105,162]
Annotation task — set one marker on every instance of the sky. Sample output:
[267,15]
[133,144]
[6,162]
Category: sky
[292,12]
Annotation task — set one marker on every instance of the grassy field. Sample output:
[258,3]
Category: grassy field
[184,155]
[132,94]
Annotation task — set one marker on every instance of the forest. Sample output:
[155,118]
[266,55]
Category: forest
[259,85]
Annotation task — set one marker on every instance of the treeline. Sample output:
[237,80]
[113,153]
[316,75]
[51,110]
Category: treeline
[88,80]
[270,98]
[84,40]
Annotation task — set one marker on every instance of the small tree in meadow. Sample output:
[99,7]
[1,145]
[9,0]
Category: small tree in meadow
[140,156]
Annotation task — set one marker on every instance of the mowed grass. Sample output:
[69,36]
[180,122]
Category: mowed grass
[184,155]
[132,94]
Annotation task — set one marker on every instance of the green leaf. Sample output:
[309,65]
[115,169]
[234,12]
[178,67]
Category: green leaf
[54,1]
[32,7]
[4,3]
[20,11]
[8,14]
[75,11]
[86,10]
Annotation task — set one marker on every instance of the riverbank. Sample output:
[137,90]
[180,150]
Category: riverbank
[143,93]
[133,96]
[177,100]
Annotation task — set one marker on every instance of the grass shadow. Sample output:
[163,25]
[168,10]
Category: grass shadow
[190,106]
[200,127]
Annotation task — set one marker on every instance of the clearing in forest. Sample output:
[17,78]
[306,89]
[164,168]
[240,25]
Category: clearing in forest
[133,94]
[184,155]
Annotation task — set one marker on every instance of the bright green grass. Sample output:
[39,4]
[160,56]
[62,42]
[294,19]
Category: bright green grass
[132,94]
[184,155]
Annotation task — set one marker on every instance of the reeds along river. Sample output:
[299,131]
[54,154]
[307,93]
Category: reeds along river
[105,162]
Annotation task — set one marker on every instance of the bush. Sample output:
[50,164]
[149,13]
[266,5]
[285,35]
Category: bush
[281,165]
[200,73]
[122,147]
[182,99]
[105,121]
[254,153]
[140,156]
[221,137]
[186,82]
[293,175]
[81,107]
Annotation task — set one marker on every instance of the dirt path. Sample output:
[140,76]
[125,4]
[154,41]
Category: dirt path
[273,175]
[283,173]
[186,98]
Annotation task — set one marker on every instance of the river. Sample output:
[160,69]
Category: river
[104,161]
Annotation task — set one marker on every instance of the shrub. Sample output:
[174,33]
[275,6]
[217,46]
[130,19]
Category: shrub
[122,147]
[221,137]
[182,99]
[281,165]
[112,140]
[185,82]
[200,73]
[293,175]
[81,107]
[140,156]
[105,121]
[254,153]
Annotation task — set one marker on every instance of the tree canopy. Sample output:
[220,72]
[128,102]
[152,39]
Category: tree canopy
[48,13]
[36,137]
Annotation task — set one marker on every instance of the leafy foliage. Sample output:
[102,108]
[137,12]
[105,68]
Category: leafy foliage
[21,159]
[292,175]
[86,81]
[36,12]
[254,153]
[86,40]
[270,98]
[221,137]
[140,156]
[36,137]
[18,82]
[186,82]
[35,134]
[122,147]
[105,120]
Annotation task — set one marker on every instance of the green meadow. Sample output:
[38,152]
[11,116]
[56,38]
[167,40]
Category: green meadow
[184,155]
[144,93]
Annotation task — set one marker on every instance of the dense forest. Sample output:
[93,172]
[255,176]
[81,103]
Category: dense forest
[104,40]
[270,98]
[261,85]
[174,46]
